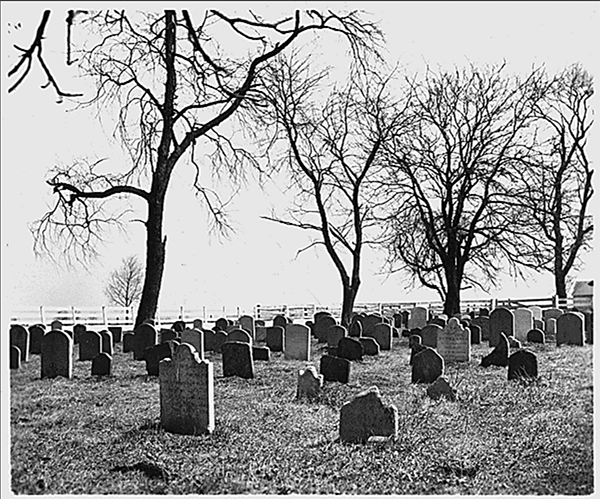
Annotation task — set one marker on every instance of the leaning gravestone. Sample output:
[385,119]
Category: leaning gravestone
[475,334]
[427,366]
[429,335]
[296,344]
[309,384]
[366,416]
[195,338]
[187,403]
[536,336]
[178,326]
[275,338]
[499,355]
[370,345]
[350,349]
[501,321]
[569,329]
[237,359]
[322,325]
[441,388]
[334,335]
[418,318]
[454,342]
[128,341]
[156,353]
[383,335]
[15,357]
[57,355]
[239,335]
[522,365]
[107,342]
[36,334]
[247,323]
[145,336]
[101,364]
[19,337]
[335,369]
[523,323]
[415,345]
[90,345]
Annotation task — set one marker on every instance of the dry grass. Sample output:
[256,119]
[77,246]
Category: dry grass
[103,436]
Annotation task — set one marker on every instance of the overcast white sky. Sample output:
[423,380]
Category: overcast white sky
[257,265]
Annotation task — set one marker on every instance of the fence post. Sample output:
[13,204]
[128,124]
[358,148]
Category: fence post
[181,313]
[238,311]
[104,318]
[257,311]
[555,301]
[42,318]
[73,315]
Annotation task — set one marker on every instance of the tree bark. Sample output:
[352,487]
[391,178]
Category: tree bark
[560,284]
[348,299]
[452,300]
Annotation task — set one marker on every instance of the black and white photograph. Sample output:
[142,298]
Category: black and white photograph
[299,248]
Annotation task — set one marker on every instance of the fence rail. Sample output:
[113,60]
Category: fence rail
[125,316]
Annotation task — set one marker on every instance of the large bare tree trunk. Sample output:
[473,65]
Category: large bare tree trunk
[452,301]
[348,299]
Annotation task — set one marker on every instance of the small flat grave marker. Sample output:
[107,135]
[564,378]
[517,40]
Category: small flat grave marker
[522,365]
[101,364]
[427,366]
[309,384]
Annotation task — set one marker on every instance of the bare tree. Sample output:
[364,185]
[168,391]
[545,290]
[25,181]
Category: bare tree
[449,214]
[331,152]
[173,88]
[557,180]
[124,287]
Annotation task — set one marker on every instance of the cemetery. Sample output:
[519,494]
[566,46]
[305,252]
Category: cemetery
[285,406]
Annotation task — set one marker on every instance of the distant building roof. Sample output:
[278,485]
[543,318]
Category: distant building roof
[583,288]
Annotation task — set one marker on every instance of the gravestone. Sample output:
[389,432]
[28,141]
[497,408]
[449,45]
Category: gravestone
[551,313]
[322,325]
[167,335]
[501,321]
[368,324]
[36,334]
[195,338]
[415,345]
[156,353]
[513,342]
[367,416]
[296,342]
[107,342]
[209,340]
[383,335]
[569,329]
[484,312]
[187,403]
[538,324]
[247,323]
[15,357]
[239,335]
[309,384]
[275,338]
[221,324]
[178,326]
[475,334]
[144,336]
[454,342]
[523,323]
[418,318]
[522,365]
[405,316]
[101,364]
[438,321]
[499,355]
[197,324]
[90,345]
[484,323]
[117,332]
[536,336]
[350,349]
[57,355]
[335,369]
[441,388]
[334,335]
[260,333]
[128,341]
[219,340]
[370,345]
[261,353]
[550,326]
[429,334]
[536,312]
[355,330]
[280,320]
[398,321]
[19,337]
[237,359]
[427,366]
[56,325]
[78,330]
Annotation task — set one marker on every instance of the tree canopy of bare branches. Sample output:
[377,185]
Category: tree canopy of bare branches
[124,286]
[173,87]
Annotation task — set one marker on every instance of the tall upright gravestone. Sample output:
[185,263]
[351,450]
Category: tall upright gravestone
[523,323]
[454,342]
[36,333]
[501,321]
[296,343]
[195,338]
[569,329]
[382,333]
[19,337]
[418,318]
[90,345]
[187,393]
[247,323]
[57,355]
[145,336]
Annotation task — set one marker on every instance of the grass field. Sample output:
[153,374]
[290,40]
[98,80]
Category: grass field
[103,436]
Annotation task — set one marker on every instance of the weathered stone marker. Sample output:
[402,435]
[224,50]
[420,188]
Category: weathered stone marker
[429,335]
[296,343]
[15,357]
[237,359]
[36,333]
[90,345]
[195,338]
[335,369]
[427,366]
[522,365]
[57,355]
[350,349]
[145,336]
[569,329]
[441,388]
[501,321]
[101,365]
[499,355]
[187,393]
[19,337]
[275,338]
[370,345]
[454,342]
[366,416]
[309,383]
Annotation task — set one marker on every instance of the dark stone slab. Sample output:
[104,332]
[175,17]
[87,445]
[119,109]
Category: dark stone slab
[36,335]
[128,340]
[499,355]
[15,357]
[350,349]
[335,369]
[427,366]
[261,353]
[101,365]
[154,354]
[370,346]
[475,334]
[237,359]
[275,338]
[117,332]
[536,336]
[522,365]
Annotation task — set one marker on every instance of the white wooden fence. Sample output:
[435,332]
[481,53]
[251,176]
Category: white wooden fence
[121,316]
